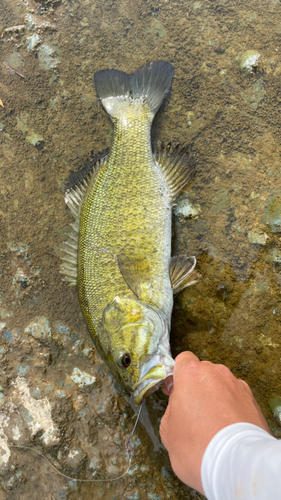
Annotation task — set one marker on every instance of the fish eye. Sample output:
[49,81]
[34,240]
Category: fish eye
[125,360]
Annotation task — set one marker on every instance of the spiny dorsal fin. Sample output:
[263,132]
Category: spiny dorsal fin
[178,166]
[74,195]
[182,273]
[136,273]
[69,250]
[75,177]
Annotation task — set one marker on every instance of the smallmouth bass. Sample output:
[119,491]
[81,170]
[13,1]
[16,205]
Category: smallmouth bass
[119,250]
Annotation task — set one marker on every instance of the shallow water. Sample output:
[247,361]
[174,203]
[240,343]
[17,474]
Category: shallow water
[56,395]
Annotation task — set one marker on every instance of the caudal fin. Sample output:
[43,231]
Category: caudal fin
[148,84]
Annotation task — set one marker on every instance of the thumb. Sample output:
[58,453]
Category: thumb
[183,363]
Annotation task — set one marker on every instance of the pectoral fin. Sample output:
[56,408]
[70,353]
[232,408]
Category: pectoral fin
[182,273]
[136,272]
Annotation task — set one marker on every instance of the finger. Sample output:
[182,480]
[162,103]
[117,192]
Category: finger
[246,386]
[183,362]
[165,429]
[169,383]
[164,434]
[184,358]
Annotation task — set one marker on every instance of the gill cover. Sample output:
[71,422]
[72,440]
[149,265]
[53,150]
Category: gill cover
[133,333]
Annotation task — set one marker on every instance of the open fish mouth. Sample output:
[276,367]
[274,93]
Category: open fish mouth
[153,375]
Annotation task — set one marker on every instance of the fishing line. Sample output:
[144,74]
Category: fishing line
[129,456]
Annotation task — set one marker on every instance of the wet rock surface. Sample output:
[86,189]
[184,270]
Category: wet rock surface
[58,398]
[56,395]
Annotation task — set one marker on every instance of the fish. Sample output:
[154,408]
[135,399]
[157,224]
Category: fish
[118,251]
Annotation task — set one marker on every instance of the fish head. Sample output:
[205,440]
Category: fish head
[137,345]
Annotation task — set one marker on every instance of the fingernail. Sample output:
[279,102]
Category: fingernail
[169,381]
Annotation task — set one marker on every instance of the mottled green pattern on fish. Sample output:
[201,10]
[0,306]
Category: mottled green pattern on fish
[127,213]
[123,212]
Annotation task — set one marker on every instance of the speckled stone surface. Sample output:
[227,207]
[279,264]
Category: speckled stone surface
[55,393]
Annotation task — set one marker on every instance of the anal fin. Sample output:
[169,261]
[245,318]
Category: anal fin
[178,166]
[182,272]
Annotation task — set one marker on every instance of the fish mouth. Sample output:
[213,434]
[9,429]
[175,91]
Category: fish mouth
[153,375]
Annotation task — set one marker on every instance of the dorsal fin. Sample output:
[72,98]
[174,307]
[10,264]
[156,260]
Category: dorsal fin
[68,255]
[75,177]
[73,197]
[75,193]
[182,273]
[178,166]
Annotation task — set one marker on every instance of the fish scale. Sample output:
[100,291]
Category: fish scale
[119,248]
[131,182]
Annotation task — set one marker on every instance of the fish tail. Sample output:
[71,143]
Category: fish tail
[148,85]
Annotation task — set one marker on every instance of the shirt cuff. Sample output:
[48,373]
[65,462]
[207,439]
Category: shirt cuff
[217,450]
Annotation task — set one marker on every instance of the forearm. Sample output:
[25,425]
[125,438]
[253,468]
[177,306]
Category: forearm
[242,462]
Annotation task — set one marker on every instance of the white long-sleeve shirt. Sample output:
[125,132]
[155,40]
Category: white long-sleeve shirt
[242,462]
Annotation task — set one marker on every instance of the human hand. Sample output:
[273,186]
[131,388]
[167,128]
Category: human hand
[204,399]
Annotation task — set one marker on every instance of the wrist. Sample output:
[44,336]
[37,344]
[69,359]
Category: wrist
[218,449]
